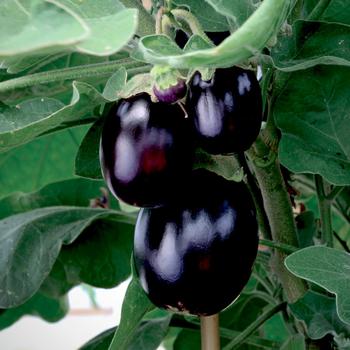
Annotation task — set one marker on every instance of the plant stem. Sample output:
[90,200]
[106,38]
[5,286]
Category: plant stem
[324,205]
[159,19]
[210,337]
[286,248]
[279,212]
[257,197]
[264,283]
[146,21]
[318,10]
[72,73]
[334,192]
[341,242]
[189,19]
[254,326]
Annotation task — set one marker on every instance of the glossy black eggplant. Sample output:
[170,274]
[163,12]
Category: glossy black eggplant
[145,150]
[196,254]
[226,111]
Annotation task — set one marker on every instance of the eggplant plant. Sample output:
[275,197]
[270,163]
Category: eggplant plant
[224,124]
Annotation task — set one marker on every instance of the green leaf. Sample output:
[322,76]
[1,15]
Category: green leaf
[196,42]
[313,114]
[30,243]
[237,11]
[101,341]
[87,161]
[313,43]
[248,40]
[319,314]
[150,334]
[23,25]
[295,342]
[114,84]
[188,339]
[137,84]
[31,118]
[100,257]
[135,306]
[49,309]
[47,159]
[210,20]
[337,11]
[147,337]
[101,20]
[328,268]
[225,166]
[73,192]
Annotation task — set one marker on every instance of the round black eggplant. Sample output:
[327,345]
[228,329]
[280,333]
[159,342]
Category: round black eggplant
[145,150]
[196,254]
[226,111]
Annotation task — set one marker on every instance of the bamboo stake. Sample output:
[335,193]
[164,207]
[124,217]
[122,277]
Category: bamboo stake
[210,332]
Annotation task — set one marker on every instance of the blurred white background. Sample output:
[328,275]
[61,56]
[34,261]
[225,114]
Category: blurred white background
[80,325]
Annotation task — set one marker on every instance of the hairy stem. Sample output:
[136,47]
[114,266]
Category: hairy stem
[189,19]
[72,73]
[279,212]
[324,205]
[254,326]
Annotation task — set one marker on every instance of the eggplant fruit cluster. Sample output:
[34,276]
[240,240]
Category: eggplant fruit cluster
[196,237]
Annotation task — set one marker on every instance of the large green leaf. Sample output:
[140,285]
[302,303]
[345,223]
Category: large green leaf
[111,25]
[76,192]
[49,309]
[313,43]
[210,20]
[320,315]
[31,118]
[135,306]
[44,160]
[313,114]
[37,25]
[246,41]
[337,11]
[100,257]
[30,243]
[237,11]
[327,267]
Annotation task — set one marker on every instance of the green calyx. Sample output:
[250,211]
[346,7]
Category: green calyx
[165,76]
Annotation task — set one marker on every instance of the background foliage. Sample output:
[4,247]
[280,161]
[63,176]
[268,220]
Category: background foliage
[53,90]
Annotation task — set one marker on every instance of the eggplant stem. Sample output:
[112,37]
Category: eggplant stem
[210,332]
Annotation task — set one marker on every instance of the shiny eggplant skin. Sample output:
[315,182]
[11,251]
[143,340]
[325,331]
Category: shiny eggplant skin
[145,150]
[196,254]
[226,111]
